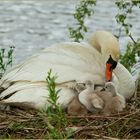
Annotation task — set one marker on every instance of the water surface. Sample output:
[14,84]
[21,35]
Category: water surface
[32,25]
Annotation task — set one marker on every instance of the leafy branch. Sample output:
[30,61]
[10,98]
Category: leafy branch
[128,59]
[53,93]
[126,7]
[56,115]
[83,10]
[6,59]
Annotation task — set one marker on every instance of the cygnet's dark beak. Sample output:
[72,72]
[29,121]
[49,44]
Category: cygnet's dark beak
[103,89]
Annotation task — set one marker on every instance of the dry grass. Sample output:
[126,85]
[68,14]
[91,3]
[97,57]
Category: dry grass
[32,124]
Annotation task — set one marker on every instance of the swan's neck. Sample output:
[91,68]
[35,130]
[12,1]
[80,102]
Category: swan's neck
[106,44]
[124,81]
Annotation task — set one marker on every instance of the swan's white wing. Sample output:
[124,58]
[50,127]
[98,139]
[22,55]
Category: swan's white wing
[35,95]
[70,61]
[18,86]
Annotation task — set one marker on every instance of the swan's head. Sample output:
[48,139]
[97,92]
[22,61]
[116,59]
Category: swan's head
[108,46]
[89,84]
[111,54]
[110,65]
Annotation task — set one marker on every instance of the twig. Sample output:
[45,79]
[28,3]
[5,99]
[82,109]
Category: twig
[125,117]
[132,39]
[77,129]
[87,127]
[105,137]
[96,117]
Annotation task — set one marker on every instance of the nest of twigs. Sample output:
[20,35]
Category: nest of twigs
[19,123]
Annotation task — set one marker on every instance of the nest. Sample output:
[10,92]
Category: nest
[32,124]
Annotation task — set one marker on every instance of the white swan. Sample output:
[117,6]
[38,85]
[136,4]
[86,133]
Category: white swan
[70,61]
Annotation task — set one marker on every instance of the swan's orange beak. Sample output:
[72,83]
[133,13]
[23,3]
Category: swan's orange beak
[110,65]
[108,72]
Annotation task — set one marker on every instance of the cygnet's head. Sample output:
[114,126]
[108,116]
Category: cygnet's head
[110,87]
[89,84]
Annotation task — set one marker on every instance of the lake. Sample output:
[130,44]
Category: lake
[32,25]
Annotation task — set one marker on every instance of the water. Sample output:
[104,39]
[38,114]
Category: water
[32,25]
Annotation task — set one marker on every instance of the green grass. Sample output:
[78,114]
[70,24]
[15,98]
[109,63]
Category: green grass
[6,59]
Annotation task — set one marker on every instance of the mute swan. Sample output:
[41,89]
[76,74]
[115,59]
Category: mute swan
[71,61]
[107,102]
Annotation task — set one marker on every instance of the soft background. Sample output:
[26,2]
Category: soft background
[32,25]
